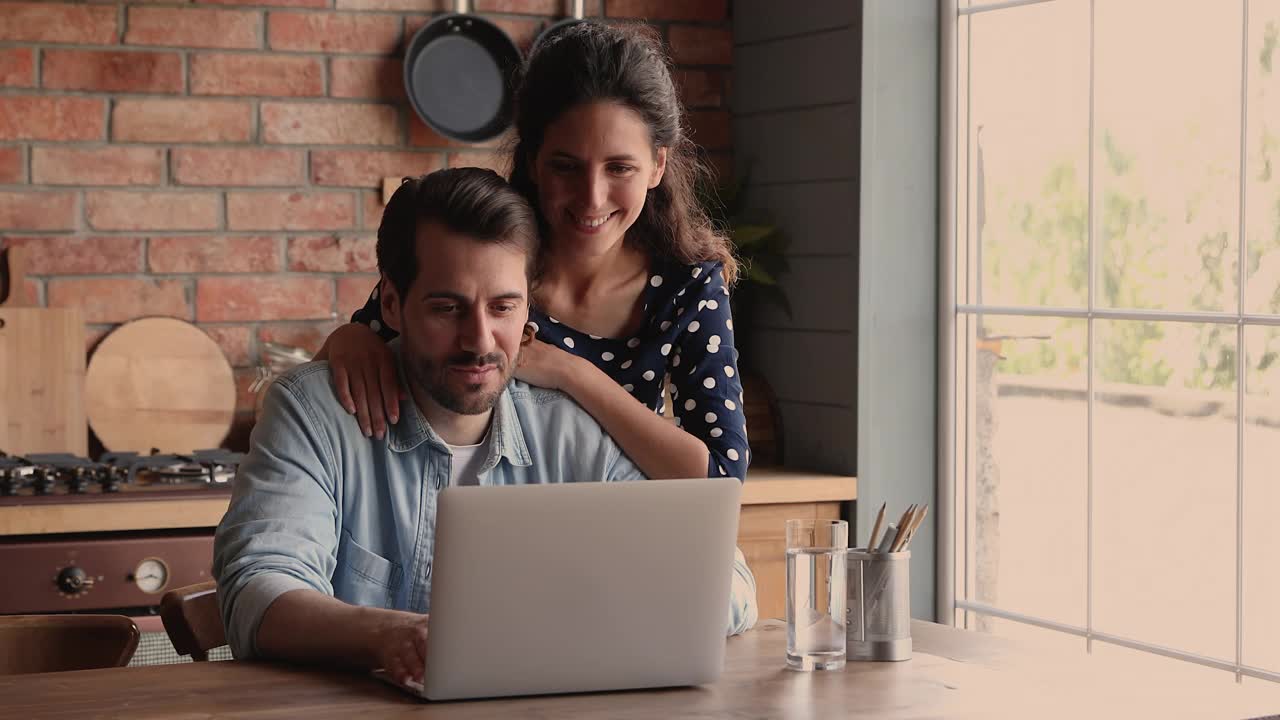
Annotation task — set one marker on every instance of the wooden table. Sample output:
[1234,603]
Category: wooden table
[953,674]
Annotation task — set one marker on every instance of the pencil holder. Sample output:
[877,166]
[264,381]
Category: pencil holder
[878,611]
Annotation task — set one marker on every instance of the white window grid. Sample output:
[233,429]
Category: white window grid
[954,154]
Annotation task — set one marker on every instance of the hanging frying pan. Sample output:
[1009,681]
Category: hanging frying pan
[457,72]
[553,29]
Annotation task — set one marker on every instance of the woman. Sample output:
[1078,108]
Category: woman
[634,282]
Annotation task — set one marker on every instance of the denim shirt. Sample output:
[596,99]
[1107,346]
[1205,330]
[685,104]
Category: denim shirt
[319,506]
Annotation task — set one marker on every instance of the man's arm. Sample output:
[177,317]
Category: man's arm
[276,548]
[307,626]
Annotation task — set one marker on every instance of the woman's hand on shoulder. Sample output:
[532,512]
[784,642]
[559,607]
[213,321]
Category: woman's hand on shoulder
[543,364]
[364,376]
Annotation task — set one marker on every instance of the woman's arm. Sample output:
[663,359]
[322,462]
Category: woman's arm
[662,450]
[706,389]
[363,367]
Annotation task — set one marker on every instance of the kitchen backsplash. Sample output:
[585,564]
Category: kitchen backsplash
[220,161]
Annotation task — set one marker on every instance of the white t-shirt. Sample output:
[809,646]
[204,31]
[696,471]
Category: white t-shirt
[467,459]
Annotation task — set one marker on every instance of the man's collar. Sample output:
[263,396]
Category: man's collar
[506,437]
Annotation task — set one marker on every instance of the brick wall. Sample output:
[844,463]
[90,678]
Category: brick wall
[218,160]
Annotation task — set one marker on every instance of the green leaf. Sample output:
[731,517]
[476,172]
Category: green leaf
[755,273]
[748,236]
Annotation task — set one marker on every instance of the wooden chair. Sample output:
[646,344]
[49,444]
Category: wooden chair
[192,620]
[52,643]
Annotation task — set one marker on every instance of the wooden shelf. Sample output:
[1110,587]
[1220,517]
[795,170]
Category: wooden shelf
[124,515]
[776,485]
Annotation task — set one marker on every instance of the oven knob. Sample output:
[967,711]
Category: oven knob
[73,581]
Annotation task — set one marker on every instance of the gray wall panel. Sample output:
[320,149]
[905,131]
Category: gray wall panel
[770,80]
[813,367]
[820,438]
[819,218]
[897,333]
[823,292]
[756,20]
[799,145]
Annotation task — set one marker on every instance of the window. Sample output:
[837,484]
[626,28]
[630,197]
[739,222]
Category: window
[1113,377]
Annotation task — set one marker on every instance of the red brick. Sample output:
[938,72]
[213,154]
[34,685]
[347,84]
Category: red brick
[330,123]
[700,88]
[708,10]
[236,342]
[700,45]
[112,71]
[115,300]
[308,336]
[496,160]
[181,121]
[722,165]
[37,210]
[246,399]
[328,253]
[353,293]
[204,254]
[256,74]
[711,129]
[17,67]
[11,171]
[421,5]
[421,135]
[238,166]
[521,31]
[240,299]
[372,78]
[554,8]
[333,32]
[290,211]
[80,255]
[24,117]
[193,28]
[93,335]
[58,23]
[360,168]
[371,208]
[96,166]
[273,3]
[124,210]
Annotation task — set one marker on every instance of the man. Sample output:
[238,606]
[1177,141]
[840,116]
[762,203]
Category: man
[325,553]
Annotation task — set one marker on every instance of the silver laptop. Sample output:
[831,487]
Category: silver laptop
[580,587]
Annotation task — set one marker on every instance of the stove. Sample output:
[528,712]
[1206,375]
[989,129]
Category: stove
[60,478]
[53,565]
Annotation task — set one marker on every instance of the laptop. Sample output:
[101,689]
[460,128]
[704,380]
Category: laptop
[579,587]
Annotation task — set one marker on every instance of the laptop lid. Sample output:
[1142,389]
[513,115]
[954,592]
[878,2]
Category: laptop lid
[580,587]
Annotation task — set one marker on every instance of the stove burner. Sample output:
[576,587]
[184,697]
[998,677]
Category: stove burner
[62,474]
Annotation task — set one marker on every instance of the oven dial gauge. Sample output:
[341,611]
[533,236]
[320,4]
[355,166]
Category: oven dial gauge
[151,575]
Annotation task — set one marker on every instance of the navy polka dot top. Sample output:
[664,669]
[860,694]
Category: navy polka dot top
[686,341]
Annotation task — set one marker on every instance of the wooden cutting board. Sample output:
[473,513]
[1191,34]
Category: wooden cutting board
[159,383]
[42,381]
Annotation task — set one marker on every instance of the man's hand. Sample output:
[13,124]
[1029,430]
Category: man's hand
[400,646]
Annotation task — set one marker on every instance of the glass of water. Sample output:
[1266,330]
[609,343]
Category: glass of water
[816,594]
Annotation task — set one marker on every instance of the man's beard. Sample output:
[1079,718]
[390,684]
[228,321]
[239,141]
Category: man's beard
[470,399]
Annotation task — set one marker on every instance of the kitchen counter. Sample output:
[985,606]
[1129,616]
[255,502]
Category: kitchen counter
[770,497]
[767,486]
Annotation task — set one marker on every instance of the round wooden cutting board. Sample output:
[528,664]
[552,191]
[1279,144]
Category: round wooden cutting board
[159,383]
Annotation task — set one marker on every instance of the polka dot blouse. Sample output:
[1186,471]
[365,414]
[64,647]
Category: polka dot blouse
[685,342]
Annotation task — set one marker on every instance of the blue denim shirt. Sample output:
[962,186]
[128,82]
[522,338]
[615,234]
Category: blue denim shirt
[319,506]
